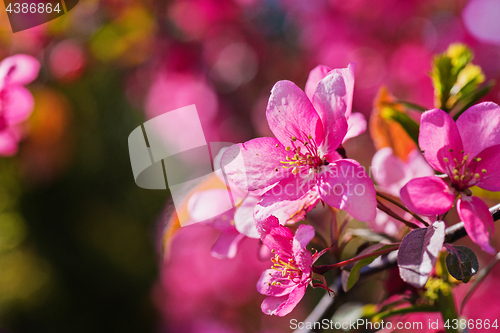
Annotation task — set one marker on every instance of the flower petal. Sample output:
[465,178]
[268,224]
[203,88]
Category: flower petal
[285,210]
[19,104]
[211,205]
[19,69]
[344,184]
[243,218]
[438,135]
[427,195]
[226,246]
[477,220]
[291,188]
[303,257]
[265,286]
[8,143]
[479,127]
[333,101]
[283,305]
[388,170]
[291,114]
[317,74]
[275,236]
[255,164]
[356,125]
[490,162]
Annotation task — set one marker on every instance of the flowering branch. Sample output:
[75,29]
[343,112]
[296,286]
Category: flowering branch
[325,306]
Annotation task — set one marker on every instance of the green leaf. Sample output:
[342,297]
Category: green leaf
[472,98]
[441,76]
[461,262]
[354,274]
[408,124]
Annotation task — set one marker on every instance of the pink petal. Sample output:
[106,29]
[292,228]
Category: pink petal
[283,305]
[317,74]
[428,196]
[345,185]
[417,166]
[211,204]
[19,69]
[477,220]
[479,127]
[388,170]
[291,114]
[303,257]
[226,246]
[418,253]
[243,218]
[333,101]
[291,188]
[356,125]
[8,143]
[270,276]
[18,105]
[439,134]
[490,162]
[285,210]
[255,164]
[275,236]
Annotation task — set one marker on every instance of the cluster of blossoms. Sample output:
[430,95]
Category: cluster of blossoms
[276,181]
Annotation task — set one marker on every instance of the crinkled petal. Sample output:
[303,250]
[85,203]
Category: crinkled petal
[283,305]
[244,217]
[275,236]
[490,162]
[345,185]
[317,74]
[265,286]
[19,69]
[226,246]
[291,188]
[291,114]
[18,105]
[427,195]
[285,210]
[438,135]
[356,125]
[303,257]
[255,164]
[333,101]
[479,127]
[477,220]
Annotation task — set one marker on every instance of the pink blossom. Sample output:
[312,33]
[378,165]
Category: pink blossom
[286,282]
[16,102]
[467,153]
[302,158]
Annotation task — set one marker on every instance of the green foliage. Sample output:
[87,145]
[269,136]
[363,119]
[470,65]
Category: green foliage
[457,82]
[408,124]
[461,262]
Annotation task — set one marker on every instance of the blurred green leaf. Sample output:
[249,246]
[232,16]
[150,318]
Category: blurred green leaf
[354,274]
[408,124]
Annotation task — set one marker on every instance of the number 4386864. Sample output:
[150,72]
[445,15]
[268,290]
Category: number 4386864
[32,8]
[471,324]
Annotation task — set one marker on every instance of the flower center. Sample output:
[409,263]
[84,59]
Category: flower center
[288,269]
[464,174]
[306,155]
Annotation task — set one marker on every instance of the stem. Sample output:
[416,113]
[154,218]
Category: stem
[325,268]
[394,202]
[389,212]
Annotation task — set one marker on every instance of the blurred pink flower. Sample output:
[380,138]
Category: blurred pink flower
[16,102]
[467,152]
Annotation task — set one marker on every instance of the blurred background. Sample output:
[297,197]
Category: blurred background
[80,243]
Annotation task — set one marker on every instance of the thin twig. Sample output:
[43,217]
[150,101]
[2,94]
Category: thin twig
[394,202]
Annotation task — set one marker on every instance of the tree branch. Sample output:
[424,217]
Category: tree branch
[324,308]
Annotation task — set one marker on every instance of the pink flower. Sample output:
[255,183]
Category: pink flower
[303,159]
[286,282]
[16,102]
[467,153]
